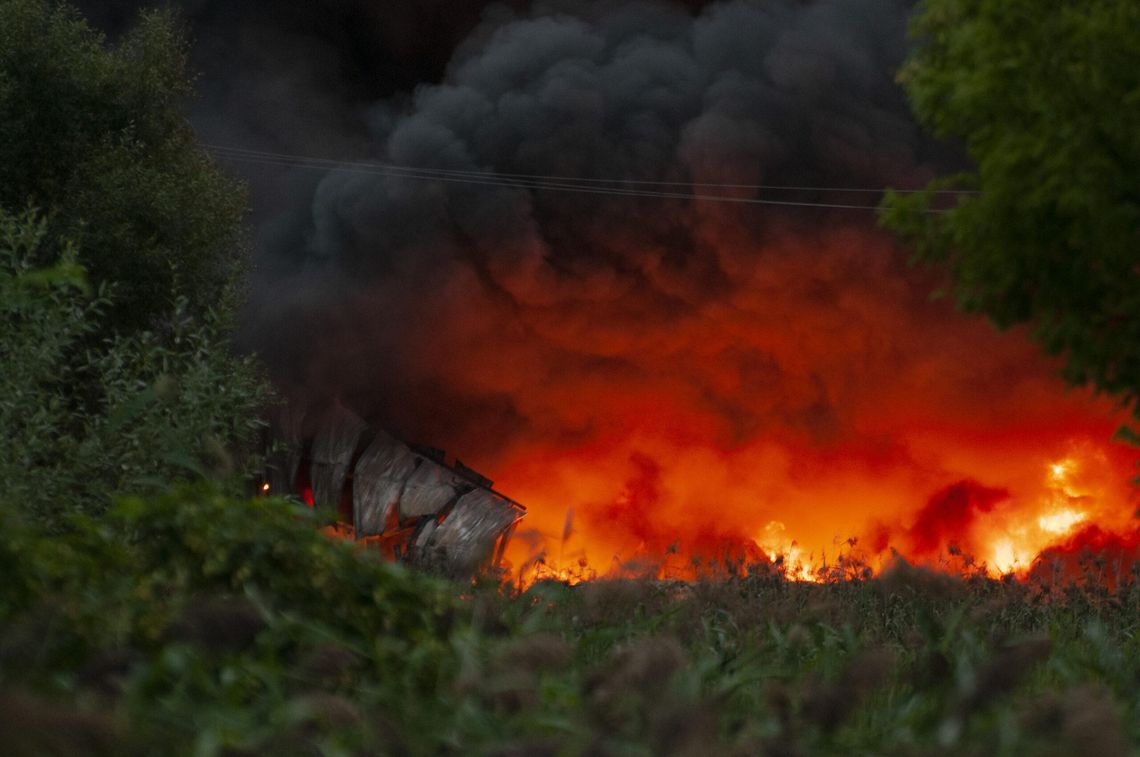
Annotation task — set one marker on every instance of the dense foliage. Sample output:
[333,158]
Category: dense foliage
[132,416]
[96,138]
[190,622]
[193,623]
[1047,103]
[120,253]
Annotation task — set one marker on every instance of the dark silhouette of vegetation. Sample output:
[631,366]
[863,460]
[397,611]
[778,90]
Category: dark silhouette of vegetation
[142,411]
[196,623]
[95,137]
[120,250]
[1047,103]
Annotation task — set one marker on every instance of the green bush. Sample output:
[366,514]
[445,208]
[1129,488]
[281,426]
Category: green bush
[134,415]
[1046,100]
[200,620]
[197,623]
[96,136]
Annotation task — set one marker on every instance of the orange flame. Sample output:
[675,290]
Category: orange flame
[779,397]
[654,526]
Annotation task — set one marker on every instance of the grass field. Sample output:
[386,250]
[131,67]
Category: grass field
[201,625]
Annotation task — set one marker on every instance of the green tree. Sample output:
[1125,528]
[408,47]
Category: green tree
[82,426]
[95,136]
[1046,99]
[116,375]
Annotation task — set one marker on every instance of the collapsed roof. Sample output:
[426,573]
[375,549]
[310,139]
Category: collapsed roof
[405,500]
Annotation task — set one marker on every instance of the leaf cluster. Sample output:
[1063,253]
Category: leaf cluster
[134,413]
[1046,100]
[96,137]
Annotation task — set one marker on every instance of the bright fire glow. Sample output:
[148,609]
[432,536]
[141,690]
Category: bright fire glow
[786,553]
[1004,535]
[1006,558]
[805,379]
[1061,522]
[1067,483]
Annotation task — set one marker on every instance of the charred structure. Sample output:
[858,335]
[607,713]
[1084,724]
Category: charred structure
[406,501]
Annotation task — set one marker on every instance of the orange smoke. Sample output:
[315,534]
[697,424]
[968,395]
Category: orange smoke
[776,394]
[823,408]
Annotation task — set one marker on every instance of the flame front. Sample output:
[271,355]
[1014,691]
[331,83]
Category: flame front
[657,525]
[867,435]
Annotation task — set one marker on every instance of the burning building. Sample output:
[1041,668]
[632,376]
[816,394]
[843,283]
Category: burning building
[408,502]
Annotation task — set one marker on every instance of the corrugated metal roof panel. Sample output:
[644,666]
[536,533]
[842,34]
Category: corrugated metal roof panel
[429,489]
[378,483]
[465,541]
[336,441]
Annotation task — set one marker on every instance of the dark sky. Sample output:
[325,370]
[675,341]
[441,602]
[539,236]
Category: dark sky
[374,48]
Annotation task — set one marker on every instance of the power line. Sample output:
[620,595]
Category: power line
[521,184]
[541,182]
[585,180]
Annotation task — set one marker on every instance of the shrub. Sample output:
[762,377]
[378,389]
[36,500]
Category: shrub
[141,411]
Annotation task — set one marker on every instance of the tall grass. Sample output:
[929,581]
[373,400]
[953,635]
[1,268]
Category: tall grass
[196,624]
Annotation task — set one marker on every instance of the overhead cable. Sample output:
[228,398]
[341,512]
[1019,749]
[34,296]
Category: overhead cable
[626,187]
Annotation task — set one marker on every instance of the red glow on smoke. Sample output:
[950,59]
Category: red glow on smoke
[948,514]
[808,403]
[1091,555]
[774,427]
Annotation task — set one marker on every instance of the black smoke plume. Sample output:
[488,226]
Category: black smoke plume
[436,309]
[371,287]
[781,370]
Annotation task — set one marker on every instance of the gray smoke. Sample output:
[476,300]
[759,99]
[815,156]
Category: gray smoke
[370,287]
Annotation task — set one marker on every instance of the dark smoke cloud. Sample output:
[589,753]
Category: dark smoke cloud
[371,278]
[364,283]
[949,514]
[300,76]
[359,50]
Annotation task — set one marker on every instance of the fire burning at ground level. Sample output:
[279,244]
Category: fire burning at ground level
[1054,514]
[816,403]
[1068,521]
